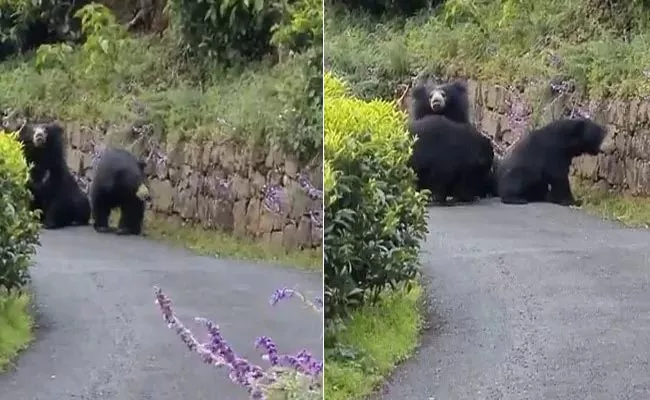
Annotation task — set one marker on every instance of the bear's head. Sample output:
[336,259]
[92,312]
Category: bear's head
[37,136]
[451,101]
[586,137]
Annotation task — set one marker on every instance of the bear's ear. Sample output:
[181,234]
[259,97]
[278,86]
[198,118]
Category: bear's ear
[460,85]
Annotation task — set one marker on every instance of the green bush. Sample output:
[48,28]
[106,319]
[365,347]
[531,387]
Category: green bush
[235,31]
[374,216]
[26,24]
[18,225]
[225,29]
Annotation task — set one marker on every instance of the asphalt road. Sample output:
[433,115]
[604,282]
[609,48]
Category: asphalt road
[531,302]
[101,335]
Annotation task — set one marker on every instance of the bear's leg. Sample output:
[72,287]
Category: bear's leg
[56,215]
[561,192]
[101,212]
[439,191]
[131,216]
[514,187]
[467,188]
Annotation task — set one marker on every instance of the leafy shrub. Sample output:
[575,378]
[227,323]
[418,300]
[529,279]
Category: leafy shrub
[99,54]
[234,31]
[301,118]
[18,225]
[297,377]
[302,31]
[226,29]
[374,216]
[26,24]
[301,27]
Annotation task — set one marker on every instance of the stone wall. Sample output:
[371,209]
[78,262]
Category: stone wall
[256,193]
[623,164]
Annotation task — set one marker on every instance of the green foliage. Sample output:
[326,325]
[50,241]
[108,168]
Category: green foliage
[236,31]
[99,54]
[300,123]
[25,24]
[16,325]
[374,216]
[360,353]
[18,225]
[301,27]
[513,41]
[225,29]
[15,18]
[119,79]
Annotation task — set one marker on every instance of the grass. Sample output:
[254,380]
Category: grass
[374,340]
[222,245]
[530,43]
[629,210]
[15,327]
[146,79]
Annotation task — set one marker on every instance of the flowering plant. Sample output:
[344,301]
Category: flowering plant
[295,377]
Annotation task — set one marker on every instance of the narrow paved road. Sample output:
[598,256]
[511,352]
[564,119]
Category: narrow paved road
[531,302]
[102,336]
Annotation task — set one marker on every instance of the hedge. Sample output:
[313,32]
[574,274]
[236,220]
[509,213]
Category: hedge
[18,225]
[374,216]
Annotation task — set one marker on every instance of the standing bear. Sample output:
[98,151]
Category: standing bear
[119,182]
[54,189]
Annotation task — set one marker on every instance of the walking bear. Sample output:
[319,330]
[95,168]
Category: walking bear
[542,158]
[119,182]
[54,189]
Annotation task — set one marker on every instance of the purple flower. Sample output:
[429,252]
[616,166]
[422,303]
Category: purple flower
[216,351]
[281,294]
[302,362]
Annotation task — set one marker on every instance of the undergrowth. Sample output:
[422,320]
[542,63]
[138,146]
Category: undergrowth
[148,85]
[519,42]
[632,211]
[118,78]
[371,342]
[15,326]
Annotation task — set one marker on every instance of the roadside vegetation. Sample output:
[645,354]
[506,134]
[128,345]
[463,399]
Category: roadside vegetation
[221,245]
[600,48]
[374,224]
[18,240]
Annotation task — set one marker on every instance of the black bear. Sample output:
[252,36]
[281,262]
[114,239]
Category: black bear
[54,189]
[449,100]
[451,159]
[119,182]
[542,158]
